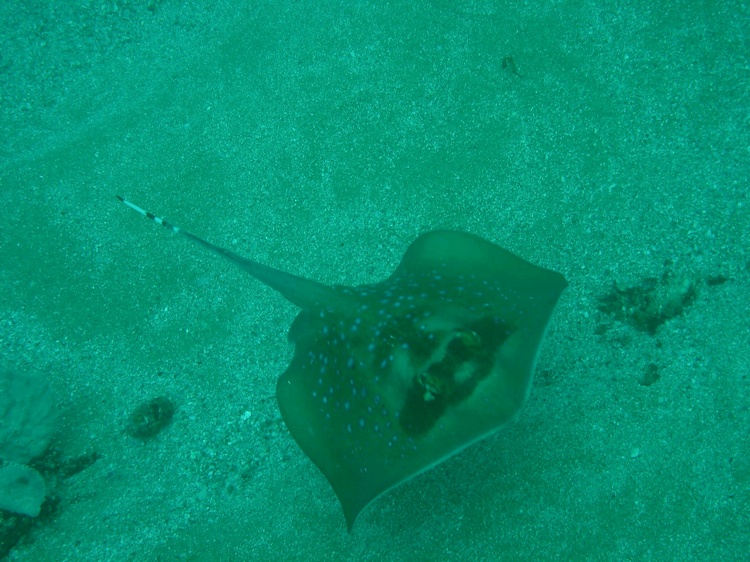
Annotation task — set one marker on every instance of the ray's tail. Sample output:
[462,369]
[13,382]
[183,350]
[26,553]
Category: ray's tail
[305,293]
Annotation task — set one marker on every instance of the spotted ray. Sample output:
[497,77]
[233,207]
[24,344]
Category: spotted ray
[391,378]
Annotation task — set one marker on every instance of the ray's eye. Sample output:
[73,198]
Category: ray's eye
[469,338]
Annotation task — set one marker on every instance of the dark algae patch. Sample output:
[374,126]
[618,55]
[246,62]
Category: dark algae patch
[650,375]
[651,303]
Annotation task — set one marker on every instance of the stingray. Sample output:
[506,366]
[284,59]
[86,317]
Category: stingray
[389,379]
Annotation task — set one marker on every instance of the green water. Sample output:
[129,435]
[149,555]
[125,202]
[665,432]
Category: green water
[322,138]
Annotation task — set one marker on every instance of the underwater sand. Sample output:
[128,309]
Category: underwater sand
[610,143]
